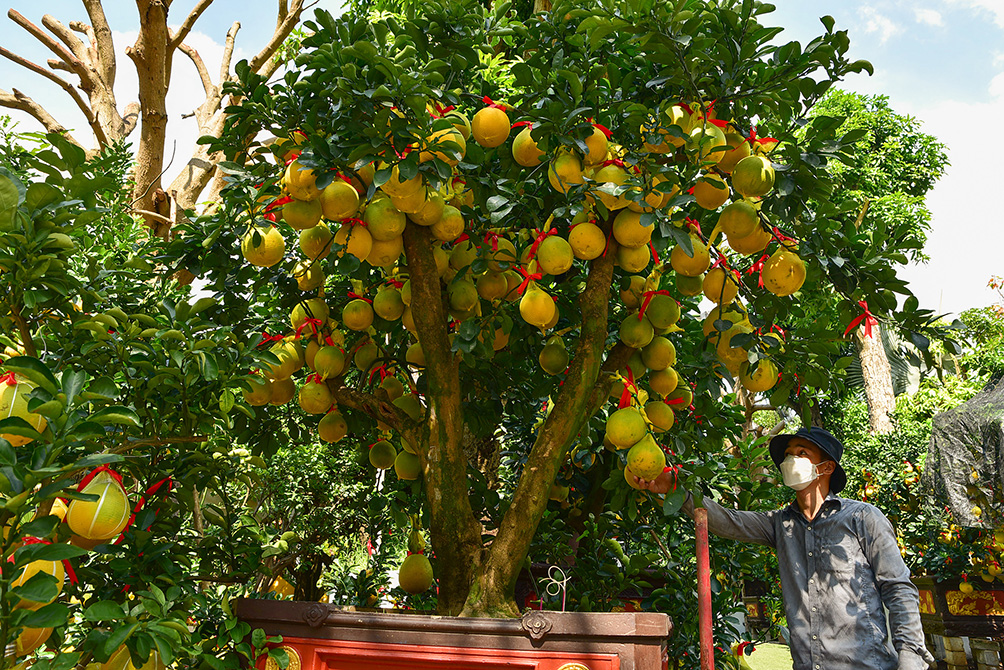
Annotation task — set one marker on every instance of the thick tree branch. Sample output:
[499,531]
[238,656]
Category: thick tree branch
[288,17]
[63,84]
[18,100]
[74,43]
[186,27]
[228,52]
[373,407]
[200,66]
[103,43]
[77,67]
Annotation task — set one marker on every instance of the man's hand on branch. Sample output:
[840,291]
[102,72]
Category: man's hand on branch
[660,485]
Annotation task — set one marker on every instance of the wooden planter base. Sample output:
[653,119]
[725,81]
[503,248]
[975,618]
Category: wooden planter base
[322,637]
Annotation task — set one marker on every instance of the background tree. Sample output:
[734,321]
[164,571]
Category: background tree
[86,52]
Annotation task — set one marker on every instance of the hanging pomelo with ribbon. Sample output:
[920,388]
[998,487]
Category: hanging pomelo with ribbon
[55,568]
[106,517]
[28,641]
[14,391]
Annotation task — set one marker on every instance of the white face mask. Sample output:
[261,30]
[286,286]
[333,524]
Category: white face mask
[798,472]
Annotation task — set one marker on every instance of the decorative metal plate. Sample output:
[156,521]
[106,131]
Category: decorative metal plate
[294,660]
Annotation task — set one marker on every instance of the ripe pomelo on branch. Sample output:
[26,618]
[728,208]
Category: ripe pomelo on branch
[490,127]
[332,427]
[711,191]
[104,518]
[339,200]
[14,392]
[645,458]
[753,177]
[263,246]
[415,575]
[625,427]
[784,272]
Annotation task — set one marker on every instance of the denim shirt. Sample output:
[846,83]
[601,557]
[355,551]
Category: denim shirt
[837,571]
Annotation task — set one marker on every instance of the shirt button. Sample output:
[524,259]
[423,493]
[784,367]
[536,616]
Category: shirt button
[812,581]
[810,553]
[814,637]
[817,667]
[808,527]
[813,609]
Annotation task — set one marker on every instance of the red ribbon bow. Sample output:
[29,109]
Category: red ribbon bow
[494,237]
[695,226]
[867,317]
[613,161]
[396,283]
[603,129]
[781,237]
[356,296]
[523,123]
[758,267]
[541,236]
[355,222]
[384,373]
[278,202]
[266,338]
[646,299]
[629,384]
[491,103]
[440,111]
[9,379]
[527,278]
[315,325]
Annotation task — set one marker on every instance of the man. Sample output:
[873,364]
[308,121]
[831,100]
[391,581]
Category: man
[838,559]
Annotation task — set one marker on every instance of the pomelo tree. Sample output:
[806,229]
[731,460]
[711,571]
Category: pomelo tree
[480,233]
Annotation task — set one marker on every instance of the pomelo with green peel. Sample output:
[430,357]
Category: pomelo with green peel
[339,200]
[663,311]
[357,315]
[660,415]
[388,303]
[646,459]
[366,356]
[263,246]
[283,391]
[738,219]
[407,466]
[635,332]
[553,358]
[332,427]
[450,226]
[315,397]
[682,397]
[463,295]
[659,354]
[625,427]
[383,220]
[663,382]
[492,285]
[462,255]
[415,356]
[689,286]
[415,575]
[329,362]
[382,455]
[753,177]
[393,387]
[632,295]
[411,406]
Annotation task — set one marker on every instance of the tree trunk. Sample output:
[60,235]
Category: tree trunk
[877,375]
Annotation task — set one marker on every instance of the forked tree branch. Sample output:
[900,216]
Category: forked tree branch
[77,67]
[228,52]
[102,41]
[288,17]
[74,43]
[200,66]
[186,27]
[18,100]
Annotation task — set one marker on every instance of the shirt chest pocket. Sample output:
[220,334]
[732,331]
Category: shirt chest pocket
[839,554]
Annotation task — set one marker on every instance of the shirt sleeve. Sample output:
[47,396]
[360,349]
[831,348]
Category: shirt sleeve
[900,596]
[755,527]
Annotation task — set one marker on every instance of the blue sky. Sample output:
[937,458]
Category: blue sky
[941,61]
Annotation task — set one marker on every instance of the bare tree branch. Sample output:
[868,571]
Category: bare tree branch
[18,100]
[228,52]
[57,28]
[288,17]
[102,41]
[200,65]
[65,85]
[55,47]
[57,64]
[186,27]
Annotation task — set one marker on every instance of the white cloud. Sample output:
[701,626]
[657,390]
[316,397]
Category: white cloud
[995,7]
[929,16]
[878,23]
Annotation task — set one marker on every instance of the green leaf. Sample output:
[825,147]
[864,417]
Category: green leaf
[117,415]
[46,552]
[101,388]
[34,371]
[40,588]
[104,610]
[9,198]
[674,501]
[258,638]
[50,616]
[118,637]
[72,383]
[18,426]
[39,527]
[40,195]
[8,456]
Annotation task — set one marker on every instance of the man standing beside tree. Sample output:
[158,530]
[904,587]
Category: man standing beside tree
[838,560]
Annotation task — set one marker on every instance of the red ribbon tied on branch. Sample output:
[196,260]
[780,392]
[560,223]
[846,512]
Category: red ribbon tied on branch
[522,123]
[869,320]
[355,222]
[493,237]
[491,103]
[95,472]
[9,379]
[440,111]
[541,236]
[356,296]
[142,501]
[673,401]
[646,299]
[758,267]
[315,325]
[396,283]
[695,226]
[613,161]
[655,255]
[384,373]
[66,562]
[266,338]
[527,278]
[629,384]
[603,129]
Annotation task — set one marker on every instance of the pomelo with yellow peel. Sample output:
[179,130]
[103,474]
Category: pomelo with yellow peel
[415,574]
[354,239]
[504,255]
[553,358]
[720,286]
[462,294]
[14,394]
[447,144]
[407,466]
[691,265]
[104,518]
[492,285]
[462,254]
[382,454]
[587,241]
[646,459]
[513,281]
[412,202]
[565,171]
[263,246]
[384,254]
[783,272]
[762,379]
[366,356]
[300,182]
[450,226]
[302,214]
[634,332]
[308,275]
[629,231]
[291,359]
[536,306]
[260,391]
[122,660]
[753,177]
[525,151]
[711,191]
[753,243]
[705,143]
[460,122]
[54,568]
[388,304]
[311,308]
[490,127]
[383,220]
[315,243]
[733,314]
[608,178]
[29,640]
[400,187]
[660,415]
[283,391]
[663,311]
[658,354]
[729,353]
[625,427]
[738,219]
[689,286]
[555,255]
[632,295]
[339,200]
[332,427]
[681,397]
[597,145]
[663,382]
[656,197]
[315,397]
[329,362]
[633,259]
[357,315]
[739,148]
[431,210]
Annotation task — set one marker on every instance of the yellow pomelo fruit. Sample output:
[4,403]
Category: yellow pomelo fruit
[308,275]
[587,241]
[691,265]
[633,259]
[431,210]
[415,575]
[329,362]
[311,308]
[554,319]
[505,255]
[689,286]
[490,127]
[339,200]
[629,231]
[732,315]
[291,359]
[565,171]
[727,353]
[738,219]
[462,254]
[388,304]
[711,191]
[384,254]
[629,478]
[596,147]
[753,177]
[554,255]
[412,202]
[460,122]
[658,354]
[450,226]
[315,243]
[302,214]
[332,427]
[610,177]
[354,239]
[382,455]
[536,306]
[407,466]
[657,195]
[720,286]
[739,148]
[463,295]
[411,406]
[625,427]
[315,397]
[396,186]
[414,355]
[103,518]
[121,660]
[366,356]
[357,315]
[525,151]
[632,296]
[783,272]
[300,182]
[663,382]
[29,640]
[660,415]
[448,145]
[492,285]
[384,221]
[260,393]
[635,332]
[681,397]
[663,311]
[512,280]
[760,380]
[14,403]
[283,391]
[705,143]
[54,568]
[646,459]
[753,243]
[406,292]
[553,358]
[263,246]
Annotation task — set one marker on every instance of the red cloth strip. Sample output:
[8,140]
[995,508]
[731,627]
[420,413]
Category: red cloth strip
[541,236]
[494,237]
[355,222]
[491,103]
[315,325]
[647,298]
[356,296]
[9,379]
[869,320]
[527,278]
[629,383]
[93,473]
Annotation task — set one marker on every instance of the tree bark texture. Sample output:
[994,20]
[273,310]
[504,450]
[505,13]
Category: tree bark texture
[877,375]
[87,53]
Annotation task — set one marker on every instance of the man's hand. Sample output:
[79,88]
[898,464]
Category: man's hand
[661,484]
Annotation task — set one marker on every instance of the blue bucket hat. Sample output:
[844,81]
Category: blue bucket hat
[830,446]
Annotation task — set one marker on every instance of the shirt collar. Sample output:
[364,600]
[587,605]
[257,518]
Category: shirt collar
[830,501]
